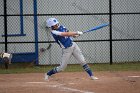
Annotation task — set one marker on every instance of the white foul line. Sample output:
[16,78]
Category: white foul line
[36,82]
[75,90]
[60,86]
[134,76]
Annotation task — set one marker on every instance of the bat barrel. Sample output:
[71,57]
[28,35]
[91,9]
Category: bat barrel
[97,27]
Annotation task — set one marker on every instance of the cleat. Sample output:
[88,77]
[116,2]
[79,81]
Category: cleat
[94,78]
[46,77]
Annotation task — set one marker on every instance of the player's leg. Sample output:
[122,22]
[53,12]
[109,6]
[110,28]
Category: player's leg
[77,53]
[66,54]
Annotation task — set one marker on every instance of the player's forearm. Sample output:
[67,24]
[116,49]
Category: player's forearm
[69,33]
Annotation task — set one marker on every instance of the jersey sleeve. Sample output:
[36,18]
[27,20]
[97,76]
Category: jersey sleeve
[56,32]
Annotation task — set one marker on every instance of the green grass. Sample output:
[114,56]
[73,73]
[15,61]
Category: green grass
[30,68]
[117,67]
[108,67]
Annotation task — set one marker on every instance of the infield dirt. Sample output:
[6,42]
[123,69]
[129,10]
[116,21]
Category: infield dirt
[71,82]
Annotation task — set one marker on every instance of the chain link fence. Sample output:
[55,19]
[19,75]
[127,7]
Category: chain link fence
[23,31]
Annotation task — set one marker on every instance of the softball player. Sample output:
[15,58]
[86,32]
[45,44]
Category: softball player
[63,38]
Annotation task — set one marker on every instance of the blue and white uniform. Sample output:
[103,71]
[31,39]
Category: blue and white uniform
[69,48]
[64,42]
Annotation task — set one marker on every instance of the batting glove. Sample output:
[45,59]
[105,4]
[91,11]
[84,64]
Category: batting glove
[79,33]
[75,36]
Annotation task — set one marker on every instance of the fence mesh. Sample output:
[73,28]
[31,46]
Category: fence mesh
[27,35]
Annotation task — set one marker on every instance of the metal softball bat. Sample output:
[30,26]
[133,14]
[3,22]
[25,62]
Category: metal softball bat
[96,27]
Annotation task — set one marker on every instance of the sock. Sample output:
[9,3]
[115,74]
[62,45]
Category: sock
[53,71]
[88,70]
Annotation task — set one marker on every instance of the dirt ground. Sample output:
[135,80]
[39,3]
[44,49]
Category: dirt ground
[71,82]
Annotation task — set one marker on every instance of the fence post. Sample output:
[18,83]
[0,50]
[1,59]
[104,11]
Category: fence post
[5,28]
[110,20]
[36,30]
[5,24]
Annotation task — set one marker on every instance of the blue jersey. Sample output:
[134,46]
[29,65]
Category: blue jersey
[63,41]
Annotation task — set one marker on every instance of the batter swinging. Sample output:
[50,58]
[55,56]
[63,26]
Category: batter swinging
[63,38]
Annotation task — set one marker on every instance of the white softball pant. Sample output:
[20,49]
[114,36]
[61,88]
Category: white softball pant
[66,55]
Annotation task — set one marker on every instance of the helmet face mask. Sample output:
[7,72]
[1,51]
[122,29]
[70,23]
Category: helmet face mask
[51,22]
[55,27]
